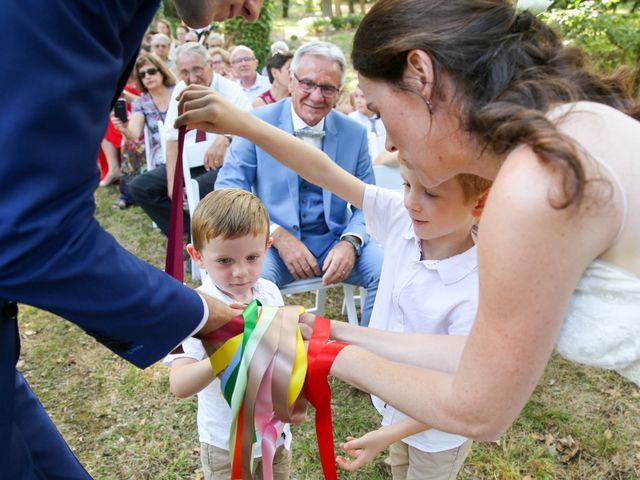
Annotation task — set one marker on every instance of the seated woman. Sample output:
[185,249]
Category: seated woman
[277,66]
[471,86]
[156,83]
[221,62]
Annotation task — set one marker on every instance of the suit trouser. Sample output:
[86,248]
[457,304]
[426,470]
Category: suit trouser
[149,190]
[36,450]
[365,273]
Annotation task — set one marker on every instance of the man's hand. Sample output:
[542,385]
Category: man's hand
[295,255]
[214,156]
[339,263]
[219,314]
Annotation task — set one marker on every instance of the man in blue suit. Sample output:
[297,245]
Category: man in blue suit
[63,65]
[314,232]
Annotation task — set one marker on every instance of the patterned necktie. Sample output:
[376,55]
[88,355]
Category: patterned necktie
[308,132]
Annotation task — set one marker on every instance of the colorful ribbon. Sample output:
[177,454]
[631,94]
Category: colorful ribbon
[266,374]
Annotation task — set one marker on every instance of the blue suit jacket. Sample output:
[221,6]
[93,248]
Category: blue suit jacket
[247,167]
[63,62]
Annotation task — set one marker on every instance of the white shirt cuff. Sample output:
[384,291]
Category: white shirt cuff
[205,317]
[273,227]
[353,235]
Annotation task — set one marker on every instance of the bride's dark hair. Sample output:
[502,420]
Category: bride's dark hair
[508,70]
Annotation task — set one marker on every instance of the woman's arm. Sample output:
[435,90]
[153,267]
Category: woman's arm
[530,258]
[189,376]
[131,129]
[437,352]
[258,102]
[206,110]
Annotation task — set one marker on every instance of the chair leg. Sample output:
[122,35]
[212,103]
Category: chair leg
[195,272]
[321,301]
[349,304]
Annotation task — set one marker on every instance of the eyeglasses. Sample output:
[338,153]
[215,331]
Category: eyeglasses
[160,45]
[195,71]
[307,86]
[149,71]
[243,59]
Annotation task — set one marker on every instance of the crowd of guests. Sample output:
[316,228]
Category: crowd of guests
[123,157]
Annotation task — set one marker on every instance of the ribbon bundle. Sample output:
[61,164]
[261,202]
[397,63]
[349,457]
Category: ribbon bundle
[265,370]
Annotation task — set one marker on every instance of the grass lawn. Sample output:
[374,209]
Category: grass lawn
[123,423]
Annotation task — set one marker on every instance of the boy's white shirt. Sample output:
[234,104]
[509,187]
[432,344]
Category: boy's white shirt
[426,296]
[214,414]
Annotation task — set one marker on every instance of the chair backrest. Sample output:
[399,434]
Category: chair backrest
[193,156]
[147,148]
[388,177]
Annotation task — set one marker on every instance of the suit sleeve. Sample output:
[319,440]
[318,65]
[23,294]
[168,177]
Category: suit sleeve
[54,253]
[364,171]
[240,166]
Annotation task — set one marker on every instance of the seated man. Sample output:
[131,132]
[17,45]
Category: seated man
[245,69]
[152,190]
[313,231]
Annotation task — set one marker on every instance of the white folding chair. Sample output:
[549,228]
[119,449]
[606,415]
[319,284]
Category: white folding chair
[193,156]
[147,148]
[388,177]
[315,284]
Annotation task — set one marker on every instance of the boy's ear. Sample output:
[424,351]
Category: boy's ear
[480,203]
[269,243]
[195,255]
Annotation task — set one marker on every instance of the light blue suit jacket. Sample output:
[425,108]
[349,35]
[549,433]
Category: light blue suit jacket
[249,167]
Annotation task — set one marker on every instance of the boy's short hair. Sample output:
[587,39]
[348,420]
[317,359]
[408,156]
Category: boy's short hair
[472,185]
[228,213]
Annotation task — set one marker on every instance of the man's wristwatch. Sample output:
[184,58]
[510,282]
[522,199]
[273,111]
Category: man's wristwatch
[355,243]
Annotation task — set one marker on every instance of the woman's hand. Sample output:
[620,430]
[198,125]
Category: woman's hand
[204,109]
[119,124]
[363,450]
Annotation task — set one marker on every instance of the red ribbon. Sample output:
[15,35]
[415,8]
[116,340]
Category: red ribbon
[321,356]
[174,265]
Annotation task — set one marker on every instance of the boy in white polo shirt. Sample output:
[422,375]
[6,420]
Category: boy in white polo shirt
[429,284]
[230,232]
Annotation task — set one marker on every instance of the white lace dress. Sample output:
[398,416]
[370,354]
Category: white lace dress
[602,327]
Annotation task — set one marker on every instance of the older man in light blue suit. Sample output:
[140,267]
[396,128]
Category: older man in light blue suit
[314,232]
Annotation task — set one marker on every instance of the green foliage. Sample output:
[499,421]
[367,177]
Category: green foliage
[328,24]
[608,37]
[256,35]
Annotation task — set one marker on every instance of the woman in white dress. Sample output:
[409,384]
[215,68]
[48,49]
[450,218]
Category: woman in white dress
[471,86]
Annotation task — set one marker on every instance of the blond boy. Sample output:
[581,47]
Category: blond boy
[230,233]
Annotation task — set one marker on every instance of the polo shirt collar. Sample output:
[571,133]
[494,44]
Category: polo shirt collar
[453,269]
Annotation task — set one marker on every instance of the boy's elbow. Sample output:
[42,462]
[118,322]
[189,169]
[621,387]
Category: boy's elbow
[178,390]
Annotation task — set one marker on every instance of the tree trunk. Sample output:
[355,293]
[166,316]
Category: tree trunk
[338,10]
[169,9]
[363,6]
[352,7]
[285,8]
[325,7]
